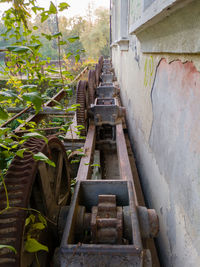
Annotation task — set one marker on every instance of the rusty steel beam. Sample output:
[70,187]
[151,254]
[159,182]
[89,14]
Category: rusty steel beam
[41,129]
[123,158]
[45,111]
[85,164]
[126,174]
[15,117]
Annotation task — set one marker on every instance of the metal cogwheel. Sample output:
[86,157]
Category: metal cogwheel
[36,185]
[91,86]
[81,100]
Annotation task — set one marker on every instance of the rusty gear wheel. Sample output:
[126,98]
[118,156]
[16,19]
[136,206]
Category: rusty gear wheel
[32,184]
[91,86]
[81,100]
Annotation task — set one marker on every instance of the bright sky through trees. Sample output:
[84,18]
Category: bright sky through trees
[77,7]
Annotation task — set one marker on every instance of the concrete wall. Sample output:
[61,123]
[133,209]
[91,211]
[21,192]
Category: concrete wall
[161,92]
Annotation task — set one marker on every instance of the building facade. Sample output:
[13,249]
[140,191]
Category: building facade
[155,51]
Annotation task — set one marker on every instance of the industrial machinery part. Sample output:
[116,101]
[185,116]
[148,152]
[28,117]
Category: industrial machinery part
[107,111]
[104,223]
[100,62]
[107,91]
[107,77]
[81,110]
[97,73]
[31,185]
[91,86]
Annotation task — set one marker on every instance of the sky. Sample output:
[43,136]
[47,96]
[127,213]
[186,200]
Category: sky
[77,7]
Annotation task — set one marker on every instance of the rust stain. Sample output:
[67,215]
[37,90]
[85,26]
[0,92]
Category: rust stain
[184,83]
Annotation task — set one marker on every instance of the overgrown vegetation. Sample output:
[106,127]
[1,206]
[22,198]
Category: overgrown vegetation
[27,44]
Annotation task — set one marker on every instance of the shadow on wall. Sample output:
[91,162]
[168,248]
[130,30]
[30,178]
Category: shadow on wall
[175,142]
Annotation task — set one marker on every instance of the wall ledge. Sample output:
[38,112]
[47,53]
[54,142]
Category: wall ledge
[123,44]
[114,44]
[155,13]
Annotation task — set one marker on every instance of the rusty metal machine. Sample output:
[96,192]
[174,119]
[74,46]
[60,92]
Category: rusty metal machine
[102,224]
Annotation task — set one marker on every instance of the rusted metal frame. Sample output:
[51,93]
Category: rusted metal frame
[123,158]
[15,117]
[126,174]
[80,74]
[40,129]
[45,111]
[103,249]
[85,164]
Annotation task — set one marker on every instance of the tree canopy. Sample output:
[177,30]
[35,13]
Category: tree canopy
[93,33]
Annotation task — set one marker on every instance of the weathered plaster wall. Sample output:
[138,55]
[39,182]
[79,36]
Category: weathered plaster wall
[177,33]
[162,94]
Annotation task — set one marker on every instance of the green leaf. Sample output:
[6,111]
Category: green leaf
[95,165]
[77,57]
[62,6]
[73,39]
[20,153]
[9,247]
[28,86]
[35,28]
[62,43]
[5,147]
[4,130]
[3,114]
[19,49]
[69,54]
[52,8]
[42,219]
[35,46]
[31,218]
[38,226]
[47,36]
[57,34]
[32,245]
[34,98]
[4,95]
[44,16]
[53,71]
[36,135]
[40,156]
[35,8]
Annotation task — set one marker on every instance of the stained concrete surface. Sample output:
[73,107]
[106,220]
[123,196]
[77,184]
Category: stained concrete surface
[162,99]
[175,143]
